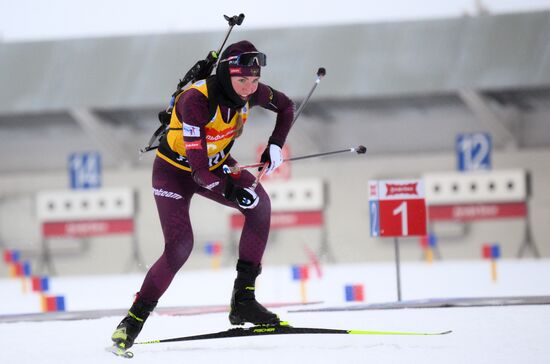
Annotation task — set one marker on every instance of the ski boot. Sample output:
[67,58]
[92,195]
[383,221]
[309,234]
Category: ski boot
[244,307]
[130,326]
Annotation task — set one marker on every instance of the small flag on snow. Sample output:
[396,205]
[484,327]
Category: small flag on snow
[354,292]
[40,283]
[53,303]
[300,272]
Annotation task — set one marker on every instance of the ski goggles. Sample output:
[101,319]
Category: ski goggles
[247,59]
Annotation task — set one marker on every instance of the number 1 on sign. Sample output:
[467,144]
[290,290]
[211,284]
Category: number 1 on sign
[402,209]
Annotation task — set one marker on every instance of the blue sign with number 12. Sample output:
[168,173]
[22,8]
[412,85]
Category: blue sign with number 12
[474,151]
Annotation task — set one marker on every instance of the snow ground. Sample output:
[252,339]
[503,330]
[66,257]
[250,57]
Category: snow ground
[495,334]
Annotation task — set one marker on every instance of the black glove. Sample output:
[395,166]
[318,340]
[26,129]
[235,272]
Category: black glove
[246,198]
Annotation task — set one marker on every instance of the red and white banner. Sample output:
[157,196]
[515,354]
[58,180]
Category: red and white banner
[281,220]
[87,228]
[470,212]
[396,190]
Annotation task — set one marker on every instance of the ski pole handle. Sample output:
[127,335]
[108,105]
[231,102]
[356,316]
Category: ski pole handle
[238,168]
[235,171]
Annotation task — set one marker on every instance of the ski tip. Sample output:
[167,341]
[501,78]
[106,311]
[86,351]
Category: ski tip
[118,351]
[400,333]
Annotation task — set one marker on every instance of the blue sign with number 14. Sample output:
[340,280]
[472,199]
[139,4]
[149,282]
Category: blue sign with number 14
[85,170]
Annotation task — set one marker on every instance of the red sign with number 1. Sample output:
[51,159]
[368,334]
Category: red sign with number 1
[397,208]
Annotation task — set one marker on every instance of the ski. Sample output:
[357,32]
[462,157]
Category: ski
[283,329]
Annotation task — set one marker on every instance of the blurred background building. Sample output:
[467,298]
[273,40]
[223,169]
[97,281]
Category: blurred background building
[405,79]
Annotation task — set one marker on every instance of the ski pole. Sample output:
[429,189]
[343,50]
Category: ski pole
[321,72]
[361,149]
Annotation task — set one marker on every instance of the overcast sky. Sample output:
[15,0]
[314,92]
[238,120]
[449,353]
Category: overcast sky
[24,20]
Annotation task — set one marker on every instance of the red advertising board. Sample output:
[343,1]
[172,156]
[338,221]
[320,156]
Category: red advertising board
[281,220]
[480,211]
[87,228]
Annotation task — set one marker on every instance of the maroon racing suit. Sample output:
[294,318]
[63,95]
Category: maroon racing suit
[174,187]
